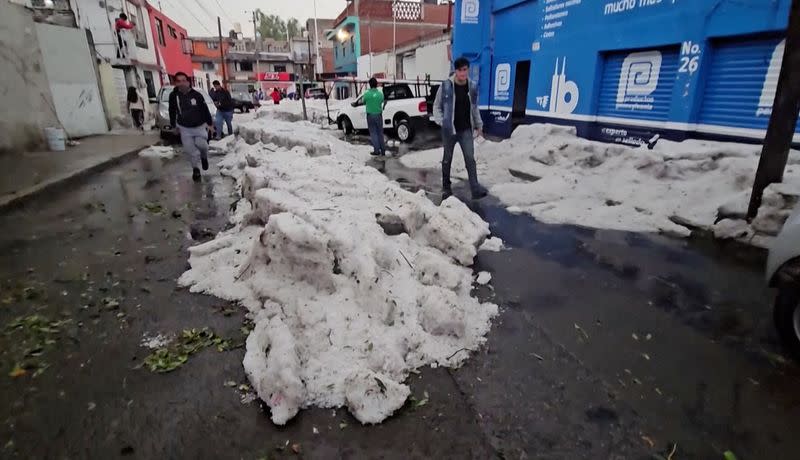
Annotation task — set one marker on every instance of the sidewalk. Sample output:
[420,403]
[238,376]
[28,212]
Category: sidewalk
[26,174]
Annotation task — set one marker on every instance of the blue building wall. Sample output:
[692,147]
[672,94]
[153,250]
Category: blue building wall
[345,54]
[625,70]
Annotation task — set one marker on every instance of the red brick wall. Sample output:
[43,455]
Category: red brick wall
[382,35]
[327,60]
[382,9]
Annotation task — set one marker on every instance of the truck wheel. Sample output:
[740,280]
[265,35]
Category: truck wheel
[404,131]
[787,318]
[347,125]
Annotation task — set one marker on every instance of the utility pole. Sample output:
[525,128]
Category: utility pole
[780,131]
[311,71]
[302,80]
[222,55]
[317,57]
[258,56]
[394,37]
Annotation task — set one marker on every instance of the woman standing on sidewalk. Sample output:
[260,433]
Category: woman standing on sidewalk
[136,108]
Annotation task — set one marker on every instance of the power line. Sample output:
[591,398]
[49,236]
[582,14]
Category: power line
[224,13]
[202,24]
[211,15]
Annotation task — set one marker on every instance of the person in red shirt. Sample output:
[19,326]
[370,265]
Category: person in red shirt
[276,96]
[121,24]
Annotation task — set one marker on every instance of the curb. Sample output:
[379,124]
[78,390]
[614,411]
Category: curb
[65,180]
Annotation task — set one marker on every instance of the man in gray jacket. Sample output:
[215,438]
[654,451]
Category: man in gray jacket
[456,111]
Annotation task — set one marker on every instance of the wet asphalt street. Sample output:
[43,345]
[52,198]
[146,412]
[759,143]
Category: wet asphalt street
[609,344]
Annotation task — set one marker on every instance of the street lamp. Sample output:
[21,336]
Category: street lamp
[342,35]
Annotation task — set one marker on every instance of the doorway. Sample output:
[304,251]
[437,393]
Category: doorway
[521,79]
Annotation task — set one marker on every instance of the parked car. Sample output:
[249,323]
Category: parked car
[783,273]
[403,113]
[316,93]
[162,115]
[243,102]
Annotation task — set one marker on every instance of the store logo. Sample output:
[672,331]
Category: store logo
[469,11]
[542,101]
[563,93]
[502,81]
[770,86]
[500,117]
[638,79]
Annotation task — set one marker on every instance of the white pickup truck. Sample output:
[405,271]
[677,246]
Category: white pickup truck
[403,113]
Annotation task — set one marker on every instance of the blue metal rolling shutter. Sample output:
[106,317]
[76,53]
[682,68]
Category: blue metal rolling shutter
[638,99]
[734,84]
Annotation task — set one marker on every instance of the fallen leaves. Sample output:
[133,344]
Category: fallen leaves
[17,372]
[34,335]
[191,341]
[151,207]
[415,403]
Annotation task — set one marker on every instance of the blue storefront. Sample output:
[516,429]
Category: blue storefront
[626,70]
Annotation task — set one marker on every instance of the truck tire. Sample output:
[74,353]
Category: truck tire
[787,318]
[347,125]
[405,132]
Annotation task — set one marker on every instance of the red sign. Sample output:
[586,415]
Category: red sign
[275,76]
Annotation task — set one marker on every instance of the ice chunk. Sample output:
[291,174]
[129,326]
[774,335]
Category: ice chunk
[273,368]
[371,397]
[483,278]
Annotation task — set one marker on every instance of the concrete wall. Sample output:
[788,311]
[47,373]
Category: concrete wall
[382,63]
[112,82]
[27,103]
[430,60]
[73,83]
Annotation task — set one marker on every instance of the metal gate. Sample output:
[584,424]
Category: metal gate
[741,83]
[638,84]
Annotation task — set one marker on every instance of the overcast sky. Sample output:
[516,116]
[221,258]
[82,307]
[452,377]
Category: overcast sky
[199,17]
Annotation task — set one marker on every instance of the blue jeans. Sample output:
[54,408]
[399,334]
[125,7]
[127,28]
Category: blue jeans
[375,125]
[227,117]
[465,140]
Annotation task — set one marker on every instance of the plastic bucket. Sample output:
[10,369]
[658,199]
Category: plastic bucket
[56,139]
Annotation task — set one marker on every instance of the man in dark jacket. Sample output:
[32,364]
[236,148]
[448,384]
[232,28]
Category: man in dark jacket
[225,105]
[456,111]
[189,113]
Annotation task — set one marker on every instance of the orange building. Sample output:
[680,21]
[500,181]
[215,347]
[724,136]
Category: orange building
[206,60]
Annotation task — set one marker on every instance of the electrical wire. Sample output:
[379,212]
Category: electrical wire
[224,13]
[201,23]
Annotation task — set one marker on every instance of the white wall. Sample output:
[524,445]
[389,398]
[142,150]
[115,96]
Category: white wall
[376,63]
[27,103]
[71,73]
[203,78]
[430,59]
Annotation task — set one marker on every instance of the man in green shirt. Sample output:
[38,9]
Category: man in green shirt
[373,100]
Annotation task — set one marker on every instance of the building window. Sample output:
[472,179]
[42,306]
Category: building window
[151,87]
[246,66]
[209,66]
[139,32]
[160,32]
[172,32]
[280,68]
[212,45]
[352,45]
[336,51]
[187,45]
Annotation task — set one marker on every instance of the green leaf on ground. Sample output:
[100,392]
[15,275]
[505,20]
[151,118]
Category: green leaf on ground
[151,207]
[190,341]
[729,455]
